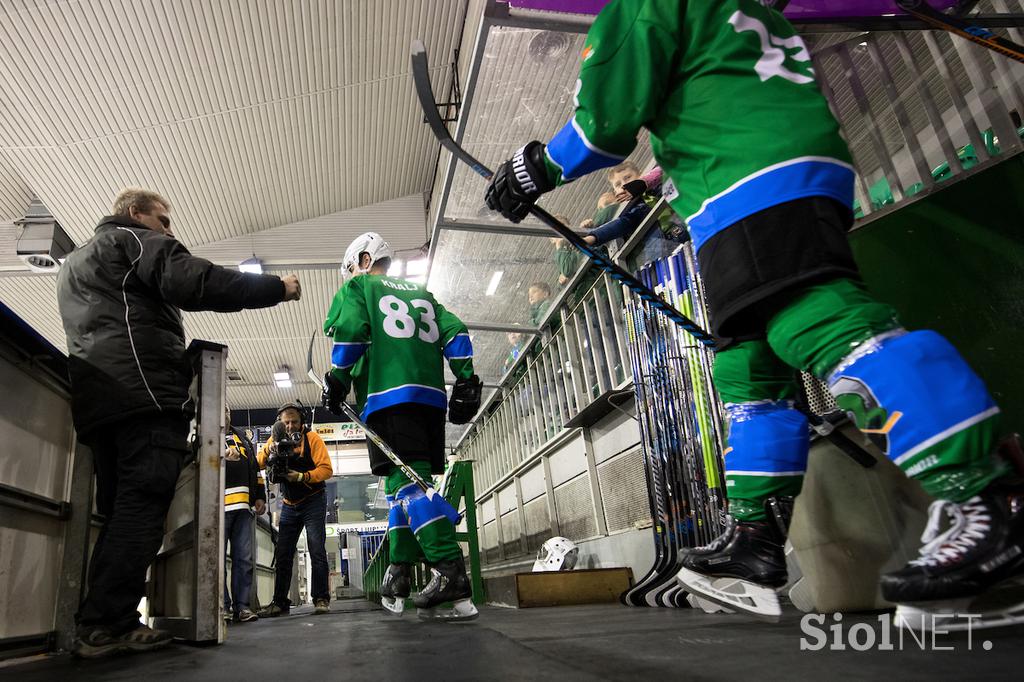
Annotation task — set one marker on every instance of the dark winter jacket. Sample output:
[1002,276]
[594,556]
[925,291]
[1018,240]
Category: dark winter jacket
[243,482]
[119,296]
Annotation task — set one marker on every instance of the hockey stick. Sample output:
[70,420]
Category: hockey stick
[421,79]
[371,434]
[920,9]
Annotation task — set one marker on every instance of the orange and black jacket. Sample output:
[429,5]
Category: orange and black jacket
[314,462]
[243,482]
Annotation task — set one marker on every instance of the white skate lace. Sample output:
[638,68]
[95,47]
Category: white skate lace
[969,523]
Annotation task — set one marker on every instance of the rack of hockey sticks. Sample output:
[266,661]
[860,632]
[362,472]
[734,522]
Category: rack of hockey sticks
[680,425]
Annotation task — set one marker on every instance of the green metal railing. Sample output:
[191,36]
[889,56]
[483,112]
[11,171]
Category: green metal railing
[458,490]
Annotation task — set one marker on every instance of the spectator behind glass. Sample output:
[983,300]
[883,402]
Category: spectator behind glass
[539,296]
[567,258]
[517,341]
[640,195]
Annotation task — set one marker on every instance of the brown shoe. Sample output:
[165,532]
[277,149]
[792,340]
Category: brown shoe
[321,606]
[145,638]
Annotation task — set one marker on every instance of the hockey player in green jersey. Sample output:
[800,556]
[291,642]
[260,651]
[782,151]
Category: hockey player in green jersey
[755,164]
[391,338]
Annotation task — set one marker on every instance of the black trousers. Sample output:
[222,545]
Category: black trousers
[137,464]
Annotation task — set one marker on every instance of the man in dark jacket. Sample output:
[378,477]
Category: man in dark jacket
[120,297]
[244,494]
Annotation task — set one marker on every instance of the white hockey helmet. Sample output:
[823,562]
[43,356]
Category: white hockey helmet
[368,242]
[557,554]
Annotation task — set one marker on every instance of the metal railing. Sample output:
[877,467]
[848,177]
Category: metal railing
[920,108]
[580,357]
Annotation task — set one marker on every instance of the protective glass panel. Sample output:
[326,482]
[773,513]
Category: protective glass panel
[487,277]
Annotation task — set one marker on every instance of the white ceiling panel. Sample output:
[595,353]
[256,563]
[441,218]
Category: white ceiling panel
[246,115]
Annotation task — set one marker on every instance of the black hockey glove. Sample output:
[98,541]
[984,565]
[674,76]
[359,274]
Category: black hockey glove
[518,183]
[465,401]
[335,391]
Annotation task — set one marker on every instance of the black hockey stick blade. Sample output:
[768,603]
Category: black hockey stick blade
[920,9]
[421,80]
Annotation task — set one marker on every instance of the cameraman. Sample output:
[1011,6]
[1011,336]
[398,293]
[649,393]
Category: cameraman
[306,466]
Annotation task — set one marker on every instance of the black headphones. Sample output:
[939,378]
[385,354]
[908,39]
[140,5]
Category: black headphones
[305,413]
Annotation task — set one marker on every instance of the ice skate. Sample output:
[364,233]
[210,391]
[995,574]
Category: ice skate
[395,588]
[740,570]
[971,575]
[448,583]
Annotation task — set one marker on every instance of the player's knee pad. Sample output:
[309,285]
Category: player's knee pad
[424,509]
[766,438]
[908,391]
[397,518]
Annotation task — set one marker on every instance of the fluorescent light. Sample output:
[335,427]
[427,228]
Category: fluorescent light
[396,268]
[253,265]
[416,267]
[282,375]
[287,383]
[493,286]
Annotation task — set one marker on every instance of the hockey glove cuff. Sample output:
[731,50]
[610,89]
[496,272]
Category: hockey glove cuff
[519,182]
[335,391]
[465,401]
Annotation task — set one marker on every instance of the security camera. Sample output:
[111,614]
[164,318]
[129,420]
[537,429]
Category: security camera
[43,244]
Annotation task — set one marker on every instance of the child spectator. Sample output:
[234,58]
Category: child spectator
[539,296]
[640,195]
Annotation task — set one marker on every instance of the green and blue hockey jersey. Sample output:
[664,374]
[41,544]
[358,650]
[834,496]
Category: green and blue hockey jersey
[726,89]
[391,338]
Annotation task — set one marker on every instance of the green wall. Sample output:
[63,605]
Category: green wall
[954,262]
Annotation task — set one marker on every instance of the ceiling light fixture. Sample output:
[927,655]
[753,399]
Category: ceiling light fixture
[493,286]
[252,265]
[416,267]
[283,377]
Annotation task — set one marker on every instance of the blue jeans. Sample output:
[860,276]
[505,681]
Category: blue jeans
[311,513]
[623,226]
[238,531]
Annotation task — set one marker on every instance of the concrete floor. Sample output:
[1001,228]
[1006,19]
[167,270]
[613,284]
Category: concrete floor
[358,642]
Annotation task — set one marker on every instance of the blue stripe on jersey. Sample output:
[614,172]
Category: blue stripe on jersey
[570,150]
[344,355]
[766,438]
[411,393]
[459,348]
[794,179]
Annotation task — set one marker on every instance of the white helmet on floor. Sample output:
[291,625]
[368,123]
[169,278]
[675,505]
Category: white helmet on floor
[557,554]
[368,242]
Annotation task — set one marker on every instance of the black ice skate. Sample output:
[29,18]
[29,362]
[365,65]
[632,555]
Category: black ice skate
[976,566]
[395,588]
[448,583]
[739,571]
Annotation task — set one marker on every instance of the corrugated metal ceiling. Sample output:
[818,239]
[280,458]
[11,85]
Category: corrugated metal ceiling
[279,127]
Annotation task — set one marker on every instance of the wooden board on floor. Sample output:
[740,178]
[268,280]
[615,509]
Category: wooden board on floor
[562,588]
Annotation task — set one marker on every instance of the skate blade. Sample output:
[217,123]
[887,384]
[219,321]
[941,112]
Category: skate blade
[706,606]
[393,605]
[732,593]
[998,607]
[462,610]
